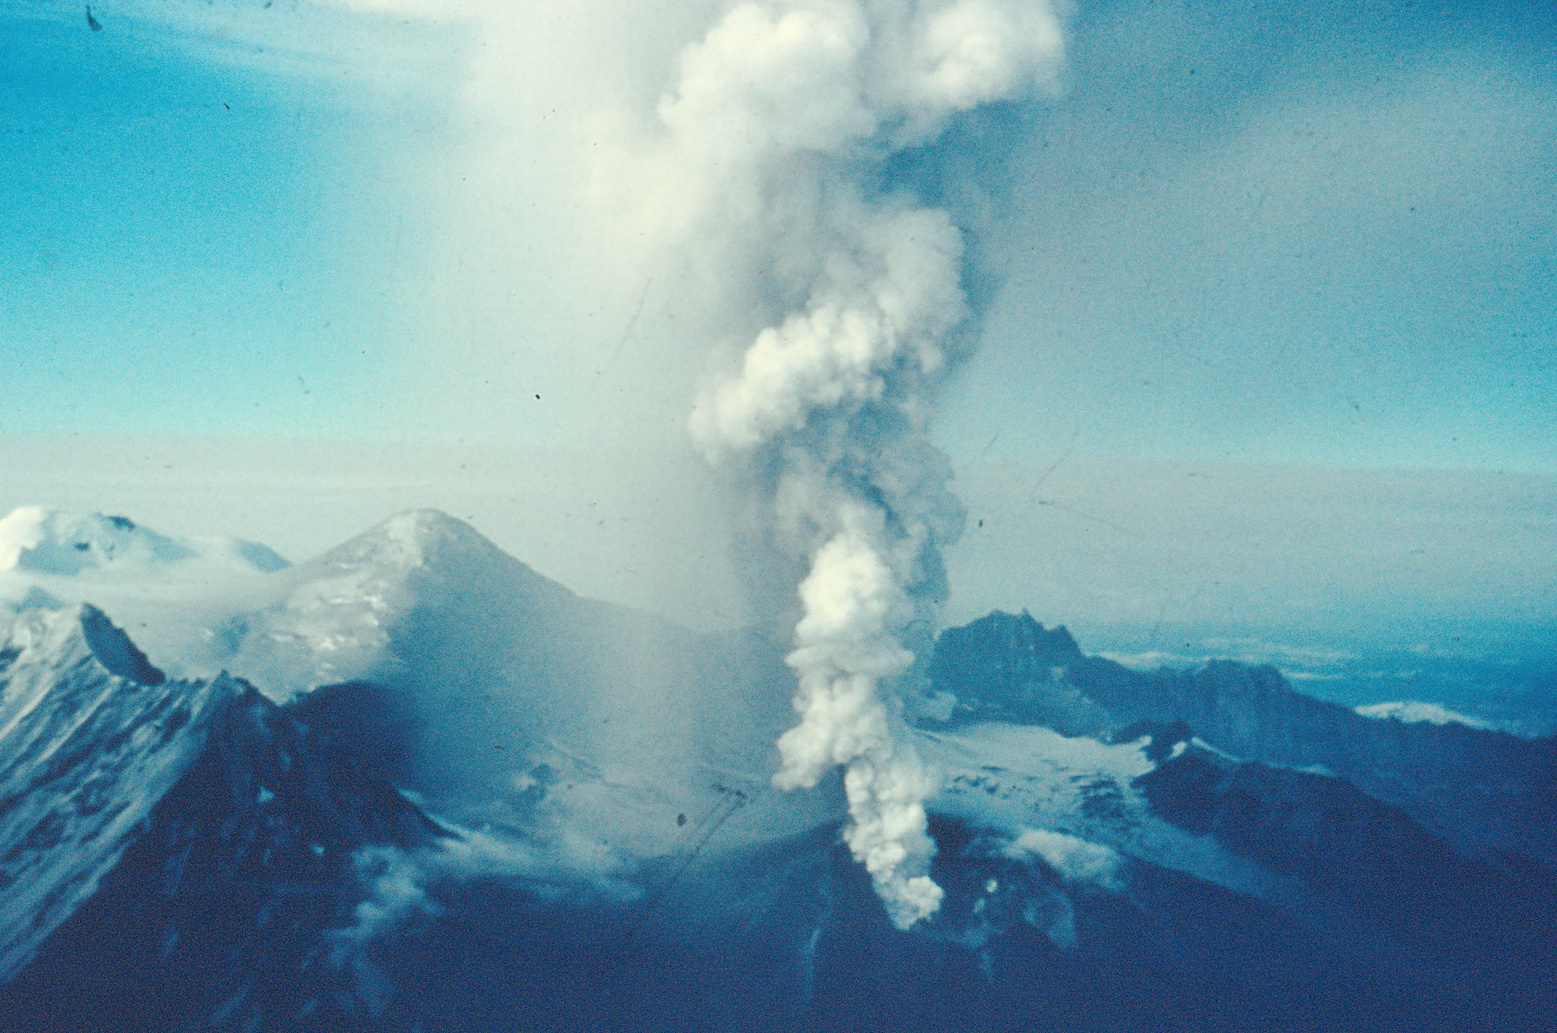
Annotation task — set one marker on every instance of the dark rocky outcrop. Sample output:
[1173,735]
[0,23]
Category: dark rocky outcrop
[1484,790]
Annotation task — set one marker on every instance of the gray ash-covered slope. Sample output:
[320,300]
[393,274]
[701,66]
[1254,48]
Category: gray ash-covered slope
[175,853]
[1482,789]
[792,937]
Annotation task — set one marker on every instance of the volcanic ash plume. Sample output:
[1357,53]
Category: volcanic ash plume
[781,128]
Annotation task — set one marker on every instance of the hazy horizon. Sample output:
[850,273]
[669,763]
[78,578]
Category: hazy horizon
[1119,552]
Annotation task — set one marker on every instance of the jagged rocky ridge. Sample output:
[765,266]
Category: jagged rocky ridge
[1484,790]
[177,851]
[1136,871]
[91,735]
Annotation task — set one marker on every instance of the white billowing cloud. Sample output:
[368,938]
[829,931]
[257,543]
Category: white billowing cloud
[844,347]
[973,53]
[398,883]
[766,81]
[1076,860]
[769,142]
[845,646]
[396,892]
[634,187]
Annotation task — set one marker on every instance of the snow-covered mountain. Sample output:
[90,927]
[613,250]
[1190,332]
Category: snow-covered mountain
[1483,789]
[56,542]
[413,784]
[91,736]
[160,829]
[502,677]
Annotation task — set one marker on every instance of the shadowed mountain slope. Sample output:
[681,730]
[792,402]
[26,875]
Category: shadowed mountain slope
[1482,789]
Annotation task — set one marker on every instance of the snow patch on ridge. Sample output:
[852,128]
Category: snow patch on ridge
[1070,802]
[1413,712]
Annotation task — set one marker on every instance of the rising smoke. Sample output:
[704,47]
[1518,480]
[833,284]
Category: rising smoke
[776,135]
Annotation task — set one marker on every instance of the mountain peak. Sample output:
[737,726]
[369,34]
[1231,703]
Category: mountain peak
[50,638]
[432,531]
[1016,639]
[52,541]
[443,553]
[339,616]
[113,648]
[995,665]
[412,539]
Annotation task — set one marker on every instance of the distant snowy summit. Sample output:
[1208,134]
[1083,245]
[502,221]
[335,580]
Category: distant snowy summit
[48,541]
[167,590]
[1414,712]
[58,542]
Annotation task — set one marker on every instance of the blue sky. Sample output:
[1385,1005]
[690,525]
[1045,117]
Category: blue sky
[1263,233]
[190,245]
[1286,233]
